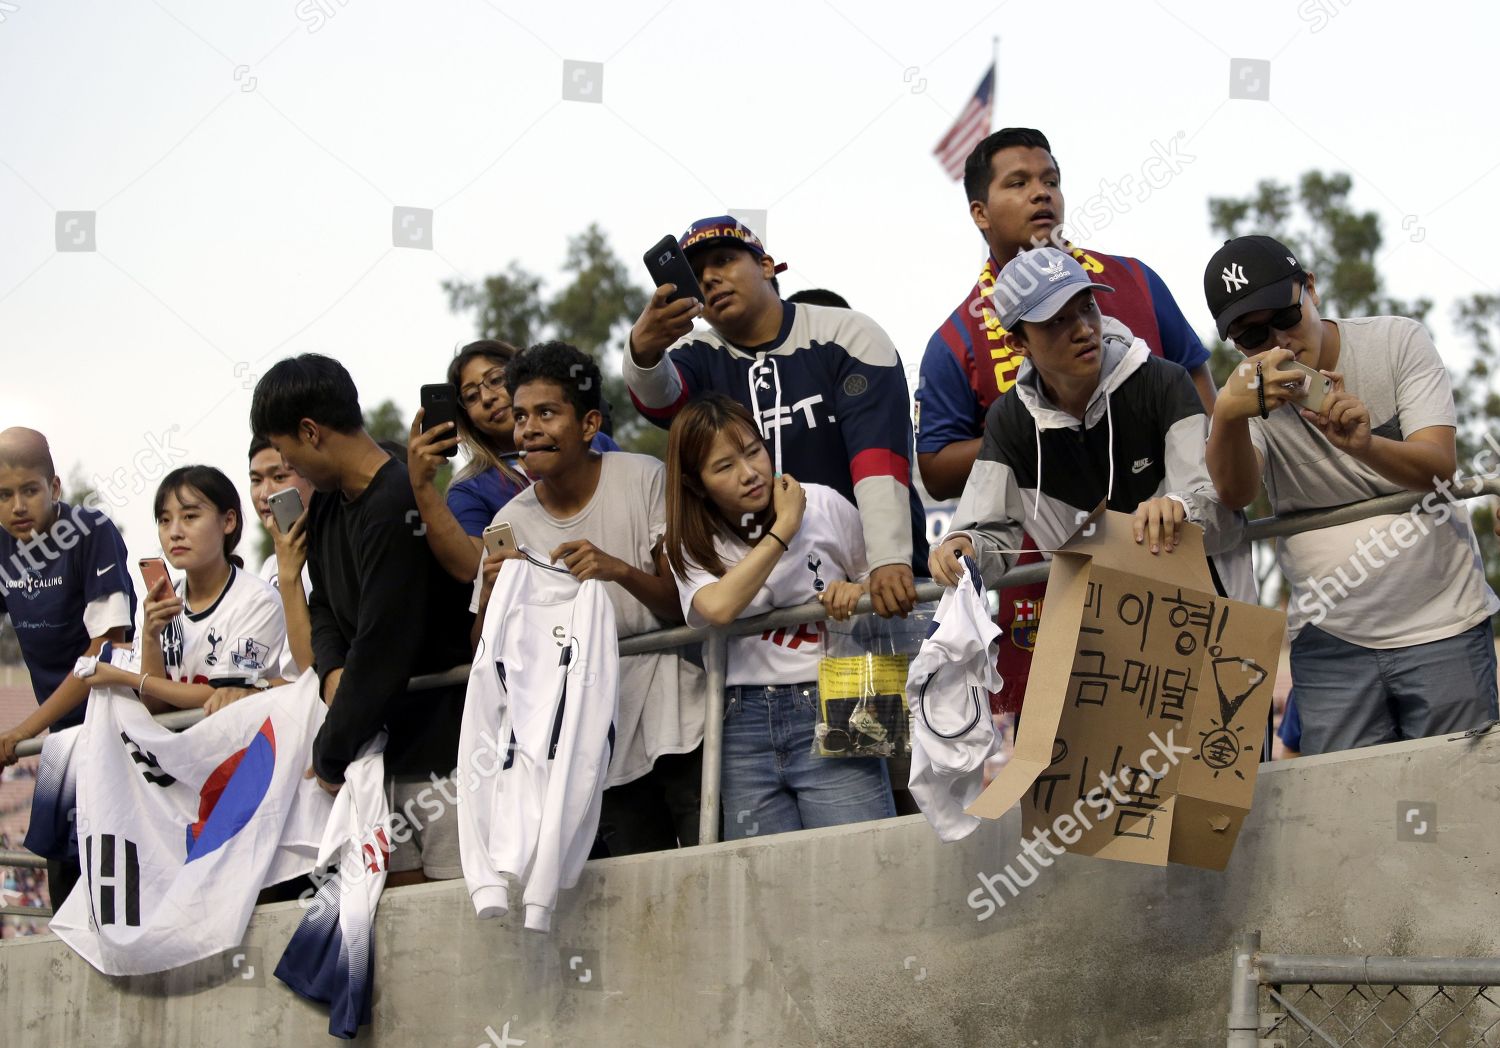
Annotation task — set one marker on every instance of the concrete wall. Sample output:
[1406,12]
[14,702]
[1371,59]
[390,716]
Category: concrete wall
[862,936]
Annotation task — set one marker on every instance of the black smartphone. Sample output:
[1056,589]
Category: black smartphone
[667,264]
[439,405]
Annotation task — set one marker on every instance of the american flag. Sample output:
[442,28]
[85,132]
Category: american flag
[972,125]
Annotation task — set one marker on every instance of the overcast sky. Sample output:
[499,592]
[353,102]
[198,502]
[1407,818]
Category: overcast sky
[245,161]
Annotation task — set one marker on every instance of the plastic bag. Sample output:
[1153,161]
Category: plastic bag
[862,709]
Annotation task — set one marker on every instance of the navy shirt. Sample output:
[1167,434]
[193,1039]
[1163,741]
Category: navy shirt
[475,500]
[47,582]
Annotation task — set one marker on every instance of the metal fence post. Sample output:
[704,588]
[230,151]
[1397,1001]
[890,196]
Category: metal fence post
[715,659]
[1244,994]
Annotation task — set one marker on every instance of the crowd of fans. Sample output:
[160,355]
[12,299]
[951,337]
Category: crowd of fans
[1065,378]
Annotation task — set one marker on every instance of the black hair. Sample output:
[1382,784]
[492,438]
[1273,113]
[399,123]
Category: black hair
[568,366]
[310,386]
[817,296]
[259,443]
[977,173]
[213,485]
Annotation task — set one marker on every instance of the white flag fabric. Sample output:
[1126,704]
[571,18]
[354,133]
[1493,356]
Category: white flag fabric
[331,956]
[178,833]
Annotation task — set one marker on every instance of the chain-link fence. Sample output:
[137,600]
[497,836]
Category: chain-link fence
[1283,1001]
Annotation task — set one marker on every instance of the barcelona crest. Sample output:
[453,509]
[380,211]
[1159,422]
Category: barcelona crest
[1023,624]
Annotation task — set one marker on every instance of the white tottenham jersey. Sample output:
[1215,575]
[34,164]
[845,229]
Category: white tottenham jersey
[828,546]
[235,640]
[538,734]
[178,833]
[330,958]
[947,688]
[289,670]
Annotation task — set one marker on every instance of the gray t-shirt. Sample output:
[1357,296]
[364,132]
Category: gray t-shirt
[661,694]
[1389,581]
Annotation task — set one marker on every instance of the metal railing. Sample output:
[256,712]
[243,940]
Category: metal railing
[715,639]
[1354,1002]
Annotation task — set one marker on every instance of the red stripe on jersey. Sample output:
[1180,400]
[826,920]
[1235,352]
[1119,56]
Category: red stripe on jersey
[668,412]
[880,462]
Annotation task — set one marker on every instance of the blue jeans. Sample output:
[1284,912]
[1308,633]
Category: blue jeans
[1350,696]
[771,781]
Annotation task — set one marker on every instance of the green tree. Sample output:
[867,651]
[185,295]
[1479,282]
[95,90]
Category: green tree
[593,310]
[385,421]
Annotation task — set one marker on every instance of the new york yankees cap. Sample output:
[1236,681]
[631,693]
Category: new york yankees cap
[1247,274]
[1037,283]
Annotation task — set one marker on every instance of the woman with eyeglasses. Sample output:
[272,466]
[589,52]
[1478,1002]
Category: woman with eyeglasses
[493,474]
[743,541]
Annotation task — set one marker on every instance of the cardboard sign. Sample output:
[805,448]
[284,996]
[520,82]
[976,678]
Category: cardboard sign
[1145,676]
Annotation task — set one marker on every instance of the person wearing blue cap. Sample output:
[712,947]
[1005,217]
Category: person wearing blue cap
[1093,417]
[824,385]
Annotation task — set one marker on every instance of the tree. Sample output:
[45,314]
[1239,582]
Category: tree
[593,311]
[385,421]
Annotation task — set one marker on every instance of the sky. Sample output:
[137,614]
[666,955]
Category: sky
[241,167]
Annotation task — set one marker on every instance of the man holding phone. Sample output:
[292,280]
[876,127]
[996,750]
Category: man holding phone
[382,609]
[825,386]
[280,496]
[1409,655]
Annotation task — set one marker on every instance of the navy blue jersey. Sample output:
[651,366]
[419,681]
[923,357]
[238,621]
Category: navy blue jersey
[831,401]
[45,585]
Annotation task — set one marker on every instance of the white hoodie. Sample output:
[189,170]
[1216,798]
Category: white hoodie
[538,732]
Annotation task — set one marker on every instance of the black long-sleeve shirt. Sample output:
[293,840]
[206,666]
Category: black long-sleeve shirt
[384,610]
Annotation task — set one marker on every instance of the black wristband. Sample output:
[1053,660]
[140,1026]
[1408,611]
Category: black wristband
[777,537]
[1260,392]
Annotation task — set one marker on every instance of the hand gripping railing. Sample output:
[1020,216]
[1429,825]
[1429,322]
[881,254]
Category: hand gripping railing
[715,640]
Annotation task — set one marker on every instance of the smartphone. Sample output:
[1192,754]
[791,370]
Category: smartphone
[439,405]
[667,264]
[1316,389]
[153,571]
[499,537]
[286,507]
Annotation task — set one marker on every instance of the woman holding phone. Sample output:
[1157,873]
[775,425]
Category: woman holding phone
[743,541]
[493,474]
[219,627]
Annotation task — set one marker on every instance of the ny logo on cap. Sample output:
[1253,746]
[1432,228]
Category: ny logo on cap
[1234,277]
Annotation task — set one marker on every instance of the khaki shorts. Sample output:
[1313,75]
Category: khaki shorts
[424,828]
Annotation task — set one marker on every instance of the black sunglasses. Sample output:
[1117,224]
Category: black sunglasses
[1284,319]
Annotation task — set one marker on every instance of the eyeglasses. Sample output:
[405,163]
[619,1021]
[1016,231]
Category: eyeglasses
[1284,319]
[494,381]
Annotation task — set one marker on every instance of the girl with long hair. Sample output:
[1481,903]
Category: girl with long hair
[742,541]
[219,626]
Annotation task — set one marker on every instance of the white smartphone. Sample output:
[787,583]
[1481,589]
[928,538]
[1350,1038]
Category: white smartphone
[499,537]
[286,507]
[1315,390]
